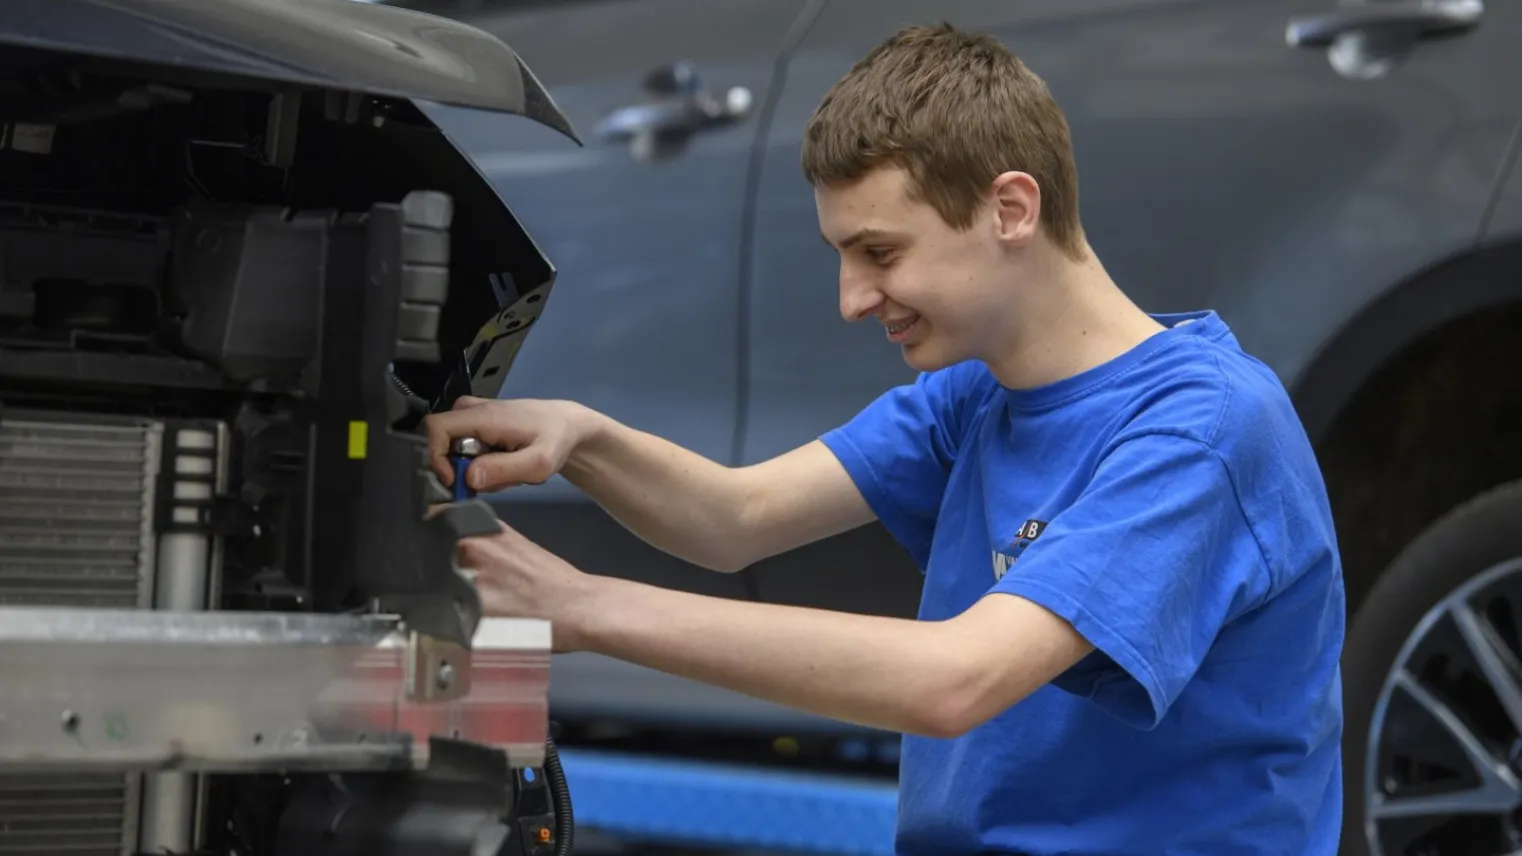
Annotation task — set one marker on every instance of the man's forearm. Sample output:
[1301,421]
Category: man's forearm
[672,498]
[888,673]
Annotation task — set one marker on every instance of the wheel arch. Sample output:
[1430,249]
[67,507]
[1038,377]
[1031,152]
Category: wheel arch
[1415,405]
[1490,275]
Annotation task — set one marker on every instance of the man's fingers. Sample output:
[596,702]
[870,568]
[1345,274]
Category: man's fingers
[524,460]
[493,550]
[444,427]
[507,534]
[475,552]
[437,427]
[528,465]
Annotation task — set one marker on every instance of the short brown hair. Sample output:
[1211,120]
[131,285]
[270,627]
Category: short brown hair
[954,110]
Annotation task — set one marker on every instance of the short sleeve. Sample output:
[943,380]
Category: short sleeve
[900,448]
[1149,564]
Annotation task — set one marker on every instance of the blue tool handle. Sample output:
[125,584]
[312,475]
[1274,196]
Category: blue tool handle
[462,451]
[462,491]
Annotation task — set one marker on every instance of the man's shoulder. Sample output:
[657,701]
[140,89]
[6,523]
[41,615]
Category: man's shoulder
[1206,388]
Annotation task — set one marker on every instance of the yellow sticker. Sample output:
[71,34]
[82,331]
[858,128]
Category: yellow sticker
[359,440]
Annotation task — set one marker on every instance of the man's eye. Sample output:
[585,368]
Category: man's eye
[878,254]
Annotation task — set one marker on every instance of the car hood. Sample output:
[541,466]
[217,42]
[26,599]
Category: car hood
[333,44]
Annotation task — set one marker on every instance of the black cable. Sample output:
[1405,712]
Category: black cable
[560,798]
[415,402]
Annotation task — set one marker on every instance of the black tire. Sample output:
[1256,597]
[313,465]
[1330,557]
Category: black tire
[1479,535]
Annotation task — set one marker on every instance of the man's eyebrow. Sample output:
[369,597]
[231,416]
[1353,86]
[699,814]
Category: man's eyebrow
[857,237]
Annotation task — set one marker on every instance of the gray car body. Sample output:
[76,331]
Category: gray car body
[1326,215]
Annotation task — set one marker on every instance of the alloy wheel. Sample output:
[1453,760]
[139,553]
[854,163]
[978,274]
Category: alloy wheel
[1443,775]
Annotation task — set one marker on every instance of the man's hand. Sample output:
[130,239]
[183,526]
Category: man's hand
[537,437]
[519,579]
[711,515]
[939,678]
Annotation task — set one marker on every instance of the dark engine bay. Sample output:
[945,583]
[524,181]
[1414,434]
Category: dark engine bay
[225,303]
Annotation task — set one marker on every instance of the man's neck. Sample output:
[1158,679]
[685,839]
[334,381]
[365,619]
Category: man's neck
[1079,320]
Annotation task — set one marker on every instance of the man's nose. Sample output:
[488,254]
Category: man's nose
[858,299]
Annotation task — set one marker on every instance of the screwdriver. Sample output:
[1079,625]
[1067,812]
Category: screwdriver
[463,450]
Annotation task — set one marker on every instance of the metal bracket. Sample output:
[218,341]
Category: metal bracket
[437,669]
[108,689]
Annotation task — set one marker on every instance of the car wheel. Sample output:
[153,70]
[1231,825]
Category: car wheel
[1432,674]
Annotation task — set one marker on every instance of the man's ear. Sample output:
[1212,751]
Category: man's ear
[1017,208]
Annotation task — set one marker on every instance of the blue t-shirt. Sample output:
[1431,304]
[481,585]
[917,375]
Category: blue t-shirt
[1169,505]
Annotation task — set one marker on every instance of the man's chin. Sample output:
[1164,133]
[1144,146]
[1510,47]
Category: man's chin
[923,356]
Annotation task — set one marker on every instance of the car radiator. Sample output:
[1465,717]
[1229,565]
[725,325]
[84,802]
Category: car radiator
[76,529]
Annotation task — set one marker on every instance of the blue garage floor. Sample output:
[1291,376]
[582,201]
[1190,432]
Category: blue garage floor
[724,808]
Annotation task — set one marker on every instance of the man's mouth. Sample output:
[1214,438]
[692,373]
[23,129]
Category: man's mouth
[900,328]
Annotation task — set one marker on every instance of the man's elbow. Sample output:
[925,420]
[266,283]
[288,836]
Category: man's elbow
[742,541]
[994,656]
[727,561]
[711,554]
[941,721]
[959,706]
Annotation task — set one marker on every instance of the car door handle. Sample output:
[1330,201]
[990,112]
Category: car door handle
[676,105]
[681,116]
[1411,19]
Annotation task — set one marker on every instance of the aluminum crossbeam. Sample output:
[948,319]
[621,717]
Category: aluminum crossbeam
[123,689]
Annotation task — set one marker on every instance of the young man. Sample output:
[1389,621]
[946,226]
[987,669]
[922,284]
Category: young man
[1133,605]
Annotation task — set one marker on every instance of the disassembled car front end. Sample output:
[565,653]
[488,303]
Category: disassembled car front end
[238,264]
